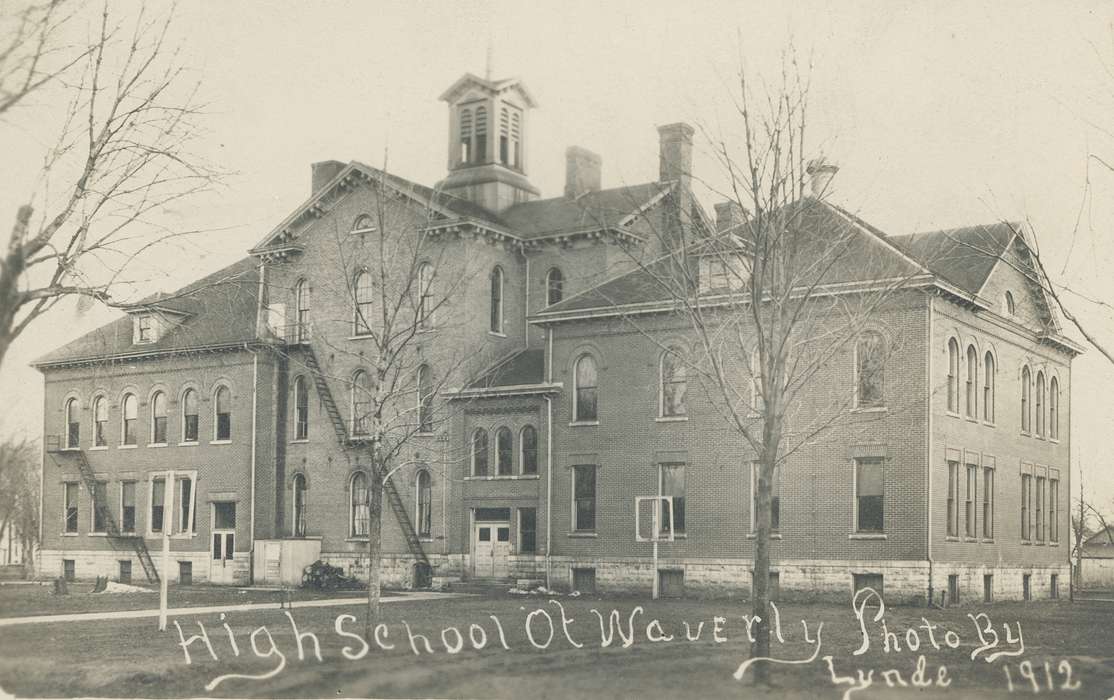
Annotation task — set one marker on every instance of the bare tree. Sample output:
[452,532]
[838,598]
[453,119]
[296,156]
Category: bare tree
[121,158]
[19,493]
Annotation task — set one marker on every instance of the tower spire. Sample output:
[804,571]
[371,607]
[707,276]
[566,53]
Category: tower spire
[490,60]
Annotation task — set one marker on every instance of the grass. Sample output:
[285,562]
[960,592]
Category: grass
[131,658]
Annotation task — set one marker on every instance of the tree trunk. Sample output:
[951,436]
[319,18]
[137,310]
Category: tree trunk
[760,582]
[374,545]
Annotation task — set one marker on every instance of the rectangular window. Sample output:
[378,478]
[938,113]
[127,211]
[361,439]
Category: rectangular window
[69,570]
[1053,521]
[100,506]
[127,506]
[158,500]
[160,430]
[861,581]
[224,426]
[1054,586]
[185,573]
[527,530]
[969,503]
[145,333]
[584,580]
[869,494]
[125,571]
[1026,589]
[671,483]
[775,498]
[1040,509]
[1026,487]
[71,495]
[987,502]
[987,588]
[953,589]
[953,499]
[187,518]
[584,497]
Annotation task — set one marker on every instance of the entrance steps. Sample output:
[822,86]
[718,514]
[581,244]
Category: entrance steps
[482,585]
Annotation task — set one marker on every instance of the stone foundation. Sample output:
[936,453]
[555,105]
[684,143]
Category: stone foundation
[396,570]
[91,564]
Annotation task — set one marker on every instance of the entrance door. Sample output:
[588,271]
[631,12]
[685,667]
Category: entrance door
[491,546]
[221,567]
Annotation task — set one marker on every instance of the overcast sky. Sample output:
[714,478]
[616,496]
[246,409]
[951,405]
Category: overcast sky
[939,114]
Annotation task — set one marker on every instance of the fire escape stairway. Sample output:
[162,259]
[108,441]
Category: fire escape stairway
[339,425]
[134,542]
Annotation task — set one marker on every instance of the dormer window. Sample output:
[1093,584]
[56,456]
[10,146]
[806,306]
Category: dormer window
[1010,308]
[722,273]
[146,329]
[363,224]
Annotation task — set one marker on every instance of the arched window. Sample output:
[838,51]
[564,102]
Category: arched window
[425,295]
[1010,308]
[361,318]
[425,399]
[988,388]
[528,444]
[424,508]
[359,509]
[673,384]
[972,381]
[189,416]
[361,403]
[100,422]
[298,488]
[1054,408]
[504,452]
[130,415]
[953,376]
[158,418]
[1025,416]
[496,325]
[479,452]
[756,402]
[554,286]
[586,380]
[223,410]
[363,224]
[73,424]
[870,360]
[301,409]
[1040,404]
[301,304]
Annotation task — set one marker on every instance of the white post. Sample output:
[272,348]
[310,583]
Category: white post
[167,523]
[655,572]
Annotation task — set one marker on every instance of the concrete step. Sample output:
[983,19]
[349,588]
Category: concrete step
[481,585]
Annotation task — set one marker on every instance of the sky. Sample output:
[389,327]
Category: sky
[939,114]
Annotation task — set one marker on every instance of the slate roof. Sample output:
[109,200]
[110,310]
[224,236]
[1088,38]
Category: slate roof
[523,367]
[217,310]
[594,210]
[962,256]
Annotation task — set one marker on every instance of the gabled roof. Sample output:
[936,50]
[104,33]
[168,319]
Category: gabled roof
[963,256]
[602,209]
[493,87]
[218,310]
[522,368]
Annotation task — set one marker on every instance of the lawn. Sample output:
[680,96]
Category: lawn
[131,658]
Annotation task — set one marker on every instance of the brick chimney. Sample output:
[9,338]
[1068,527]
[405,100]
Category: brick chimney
[820,173]
[675,153]
[582,171]
[729,214]
[323,173]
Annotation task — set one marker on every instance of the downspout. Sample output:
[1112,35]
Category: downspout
[526,310]
[254,416]
[36,556]
[928,443]
[548,456]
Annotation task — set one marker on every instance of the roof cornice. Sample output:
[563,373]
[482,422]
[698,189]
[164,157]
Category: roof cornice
[148,354]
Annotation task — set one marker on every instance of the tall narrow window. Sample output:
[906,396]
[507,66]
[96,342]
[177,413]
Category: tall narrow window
[969,510]
[223,407]
[671,483]
[359,511]
[972,381]
[301,409]
[988,388]
[528,530]
[584,497]
[127,506]
[100,506]
[301,303]
[479,452]
[130,414]
[1054,408]
[953,499]
[425,296]
[1026,496]
[425,504]
[425,399]
[1040,404]
[870,356]
[1025,416]
[1039,508]
[496,324]
[504,137]
[953,376]
[480,154]
[189,416]
[158,418]
[869,494]
[586,380]
[987,502]
[1053,510]
[100,422]
[465,136]
[529,446]
[674,384]
[361,403]
[158,501]
[70,514]
[775,498]
[363,294]
[73,424]
[1011,309]
[185,493]
[298,487]
[516,139]
[504,452]
[554,286]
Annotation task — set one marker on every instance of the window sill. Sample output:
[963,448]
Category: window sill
[356,539]
[969,419]
[98,534]
[869,409]
[990,424]
[952,414]
[497,334]
[360,336]
[220,442]
[951,538]
[971,539]
[98,448]
[126,447]
[1025,433]
[988,540]
[671,419]
[773,535]
[158,444]
[1026,542]
[188,443]
[867,536]
[589,535]
[583,423]
[175,536]
[502,477]
[1054,441]
[427,433]
[71,534]
[300,441]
